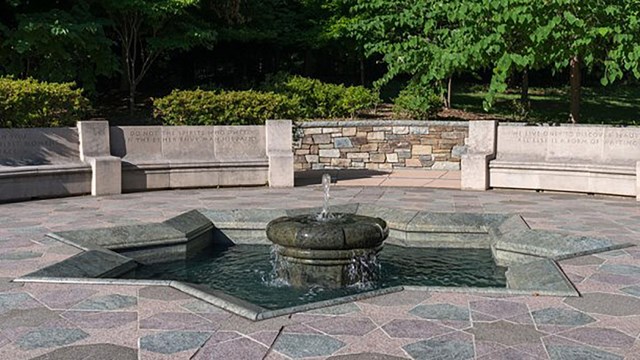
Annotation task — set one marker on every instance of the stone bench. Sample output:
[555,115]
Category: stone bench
[578,158]
[165,157]
[94,158]
[50,162]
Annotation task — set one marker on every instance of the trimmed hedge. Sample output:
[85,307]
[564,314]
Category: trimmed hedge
[201,107]
[322,100]
[31,103]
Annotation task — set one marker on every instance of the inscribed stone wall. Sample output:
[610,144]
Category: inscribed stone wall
[379,145]
[38,146]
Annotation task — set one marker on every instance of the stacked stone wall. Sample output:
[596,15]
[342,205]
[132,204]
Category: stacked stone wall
[379,145]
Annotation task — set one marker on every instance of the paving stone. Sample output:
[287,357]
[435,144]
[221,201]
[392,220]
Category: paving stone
[12,301]
[306,345]
[91,352]
[632,290]
[64,298]
[499,309]
[100,319]
[565,352]
[620,269]
[400,328]
[162,293]
[171,342]
[440,349]
[199,306]
[19,255]
[600,337]
[7,284]
[26,317]
[50,337]
[400,298]
[505,333]
[176,321]
[508,354]
[559,316]
[344,326]
[108,302]
[583,261]
[238,349]
[337,310]
[441,312]
[365,356]
[607,304]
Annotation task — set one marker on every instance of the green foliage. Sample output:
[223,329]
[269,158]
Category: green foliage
[58,45]
[417,103]
[200,107]
[322,100]
[31,103]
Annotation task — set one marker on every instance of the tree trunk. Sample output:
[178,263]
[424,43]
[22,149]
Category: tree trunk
[362,71]
[524,91]
[447,97]
[132,97]
[574,115]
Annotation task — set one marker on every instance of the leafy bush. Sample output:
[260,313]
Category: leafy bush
[417,103]
[321,100]
[31,103]
[200,107]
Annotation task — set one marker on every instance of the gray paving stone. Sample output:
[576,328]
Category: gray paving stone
[26,317]
[402,328]
[344,326]
[505,333]
[177,321]
[107,302]
[306,345]
[566,352]
[583,261]
[365,356]
[7,284]
[91,352]
[11,301]
[440,349]
[50,337]
[632,290]
[441,312]
[600,337]
[237,349]
[100,319]
[558,316]
[607,304]
[171,342]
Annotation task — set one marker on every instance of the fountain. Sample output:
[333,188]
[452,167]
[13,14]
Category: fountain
[325,249]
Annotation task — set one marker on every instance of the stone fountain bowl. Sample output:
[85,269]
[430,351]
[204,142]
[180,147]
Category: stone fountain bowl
[340,232]
[335,252]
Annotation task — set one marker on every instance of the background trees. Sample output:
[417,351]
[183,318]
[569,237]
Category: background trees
[427,46]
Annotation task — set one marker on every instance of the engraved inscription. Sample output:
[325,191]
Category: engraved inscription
[16,144]
[236,136]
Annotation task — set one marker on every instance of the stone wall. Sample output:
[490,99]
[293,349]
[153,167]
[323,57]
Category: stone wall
[379,145]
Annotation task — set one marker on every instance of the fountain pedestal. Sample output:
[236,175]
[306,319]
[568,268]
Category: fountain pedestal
[333,252]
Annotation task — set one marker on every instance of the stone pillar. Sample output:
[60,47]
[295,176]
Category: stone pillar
[106,178]
[280,153]
[481,149]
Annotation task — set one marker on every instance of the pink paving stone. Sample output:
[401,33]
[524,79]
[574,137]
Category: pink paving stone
[499,309]
[64,298]
[237,349]
[535,349]
[600,337]
[344,326]
[417,329]
[265,337]
[177,321]
[221,336]
[100,320]
[376,341]
[405,182]
[487,347]
[299,329]
[615,279]
[509,354]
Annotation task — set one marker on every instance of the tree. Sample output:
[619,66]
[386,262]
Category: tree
[148,29]
[57,44]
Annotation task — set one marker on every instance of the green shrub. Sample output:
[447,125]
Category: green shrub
[417,103]
[200,107]
[321,100]
[31,103]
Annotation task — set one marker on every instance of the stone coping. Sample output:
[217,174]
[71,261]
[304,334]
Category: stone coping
[355,123]
[530,255]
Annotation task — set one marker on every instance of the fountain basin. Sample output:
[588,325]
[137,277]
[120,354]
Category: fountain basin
[334,252]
